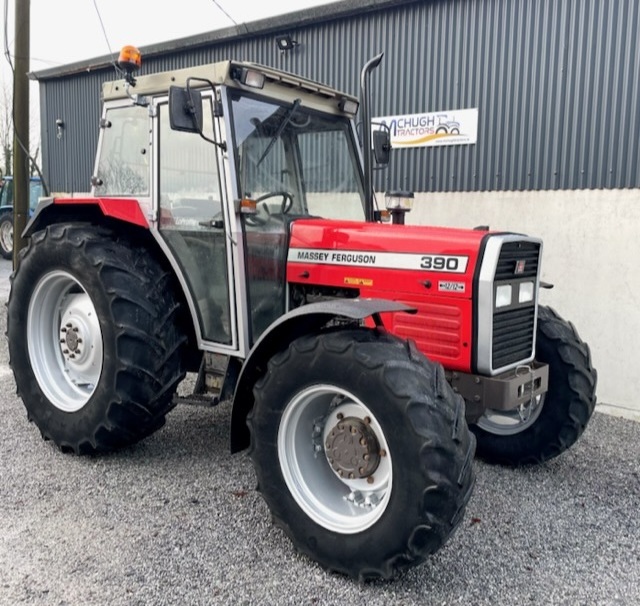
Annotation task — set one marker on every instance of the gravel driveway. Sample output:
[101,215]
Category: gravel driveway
[176,520]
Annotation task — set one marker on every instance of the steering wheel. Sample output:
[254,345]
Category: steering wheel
[285,207]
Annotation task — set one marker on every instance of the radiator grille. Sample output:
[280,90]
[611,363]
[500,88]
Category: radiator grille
[514,253]
[512,336]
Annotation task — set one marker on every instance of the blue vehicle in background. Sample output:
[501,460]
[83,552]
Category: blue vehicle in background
[6,211]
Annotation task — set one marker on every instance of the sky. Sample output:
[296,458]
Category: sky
[66,31]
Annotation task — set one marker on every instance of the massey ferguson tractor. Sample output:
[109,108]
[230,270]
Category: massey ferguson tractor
[232,231]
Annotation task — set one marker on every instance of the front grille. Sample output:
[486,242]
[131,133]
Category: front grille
[512,336]
[526,254]
[506,334]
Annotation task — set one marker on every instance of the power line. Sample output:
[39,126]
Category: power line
[104,32]
[7,52]
[224,11]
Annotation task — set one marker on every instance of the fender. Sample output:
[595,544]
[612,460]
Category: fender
[302,320]
[123,209]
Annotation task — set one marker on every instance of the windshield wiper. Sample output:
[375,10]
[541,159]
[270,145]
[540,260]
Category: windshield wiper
[285,120]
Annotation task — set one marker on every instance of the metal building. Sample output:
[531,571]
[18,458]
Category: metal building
[525,64]
[555,90]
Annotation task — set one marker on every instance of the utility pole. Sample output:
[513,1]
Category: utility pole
[21,125]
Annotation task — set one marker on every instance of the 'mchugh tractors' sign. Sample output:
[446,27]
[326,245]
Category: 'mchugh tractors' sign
[454,127]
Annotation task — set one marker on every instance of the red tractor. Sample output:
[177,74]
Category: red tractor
[231,231]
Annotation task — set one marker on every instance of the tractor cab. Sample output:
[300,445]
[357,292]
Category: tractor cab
[222,161]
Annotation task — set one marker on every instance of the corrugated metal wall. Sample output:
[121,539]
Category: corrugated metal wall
[556,82]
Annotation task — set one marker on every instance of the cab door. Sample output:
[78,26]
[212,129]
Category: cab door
[194,226]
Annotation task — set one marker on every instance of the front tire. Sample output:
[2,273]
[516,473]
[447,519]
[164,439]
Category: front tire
[361,451]
[558,419]
[94,342]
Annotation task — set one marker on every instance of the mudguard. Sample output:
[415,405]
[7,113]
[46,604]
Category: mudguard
[123,209]
[300,321]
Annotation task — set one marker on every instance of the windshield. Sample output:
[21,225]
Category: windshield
[290,149]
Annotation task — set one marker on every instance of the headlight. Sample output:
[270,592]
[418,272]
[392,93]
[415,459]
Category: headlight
[525,294]
[503,295]
[398,200]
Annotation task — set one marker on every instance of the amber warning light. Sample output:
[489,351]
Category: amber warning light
[129,61]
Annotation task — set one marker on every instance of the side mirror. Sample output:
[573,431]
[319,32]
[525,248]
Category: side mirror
[381,147]
[185,109]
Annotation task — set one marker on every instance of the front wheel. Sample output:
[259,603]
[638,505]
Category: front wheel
[554,421]
[361,451]
[94,339]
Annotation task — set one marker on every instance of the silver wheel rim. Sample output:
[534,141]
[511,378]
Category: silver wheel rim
[6,236]
[511,422]
[309,423]
[64,341]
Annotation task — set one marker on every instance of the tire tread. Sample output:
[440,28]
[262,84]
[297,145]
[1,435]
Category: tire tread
[436,417]
[148,351]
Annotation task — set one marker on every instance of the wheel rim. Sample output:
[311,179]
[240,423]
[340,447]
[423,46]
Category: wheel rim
[511,422]
[6,236]
[325,436]
[64,341]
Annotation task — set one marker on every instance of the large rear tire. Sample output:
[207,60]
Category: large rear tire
[361,451]
[554,422]
[94,340]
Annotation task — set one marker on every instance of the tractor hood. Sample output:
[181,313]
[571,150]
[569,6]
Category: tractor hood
[384,257]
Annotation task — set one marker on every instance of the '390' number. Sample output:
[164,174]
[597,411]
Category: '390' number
[445,263]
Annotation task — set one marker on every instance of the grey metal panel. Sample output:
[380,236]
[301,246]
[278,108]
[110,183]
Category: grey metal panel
[556,83]
[68,159]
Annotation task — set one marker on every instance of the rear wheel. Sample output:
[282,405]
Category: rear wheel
[94,341]
[552,423]
[361,451]
[6,235]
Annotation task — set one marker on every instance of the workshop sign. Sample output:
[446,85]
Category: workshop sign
[455,127]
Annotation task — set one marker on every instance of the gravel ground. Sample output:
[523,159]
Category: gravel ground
[176,520]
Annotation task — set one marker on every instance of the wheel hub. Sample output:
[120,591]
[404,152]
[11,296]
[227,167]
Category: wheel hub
[352,448]
[80,340]
[70,340]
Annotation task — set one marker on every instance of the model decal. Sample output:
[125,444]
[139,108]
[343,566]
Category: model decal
[451,286]
[441,263]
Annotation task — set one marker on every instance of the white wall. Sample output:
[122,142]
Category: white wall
[591,254]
